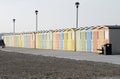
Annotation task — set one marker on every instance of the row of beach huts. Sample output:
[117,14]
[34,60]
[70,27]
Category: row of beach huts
[87,39]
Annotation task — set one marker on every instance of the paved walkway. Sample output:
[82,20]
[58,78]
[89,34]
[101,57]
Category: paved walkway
[115,59]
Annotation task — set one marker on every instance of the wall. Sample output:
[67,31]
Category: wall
[115,40]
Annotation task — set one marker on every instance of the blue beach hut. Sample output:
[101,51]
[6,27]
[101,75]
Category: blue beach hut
[89,39]
[26,40]
[42,40]
[61,39]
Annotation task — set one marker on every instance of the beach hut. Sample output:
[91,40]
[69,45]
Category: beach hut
[95,37]
[78,39]
[71,39]
[26,40]
[65,39]
[23,40]
[31,40]
[17,40]
[101,38]
[61,47]
[13,40]
[38,40]
[49,39]
[89,39]
[20,40]
[56,38]
[45,39]
[53,39]
[42,40]
[12,43]
[83,39]
[10,40]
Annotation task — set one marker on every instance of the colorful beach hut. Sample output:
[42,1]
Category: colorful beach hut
[38,40]
[49,39]
[61,44]
[95,37]
[71,39]
[65,39]
[45,39]
[22,39]
[89,39]
[31,40]
[56,38]
[83,39]
[13,40]
[10,38]
[42,40]
[26,42]
[16,40]
[78,39]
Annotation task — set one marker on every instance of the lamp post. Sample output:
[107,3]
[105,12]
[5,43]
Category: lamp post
[14,26]
[36,12]
[77,5]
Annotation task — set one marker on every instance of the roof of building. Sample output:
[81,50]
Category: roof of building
[113,26]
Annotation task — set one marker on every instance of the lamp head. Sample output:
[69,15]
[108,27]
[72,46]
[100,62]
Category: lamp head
[14,20]
[77,4]
[36,11]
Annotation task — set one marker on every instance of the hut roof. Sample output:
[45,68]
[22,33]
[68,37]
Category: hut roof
[113,26]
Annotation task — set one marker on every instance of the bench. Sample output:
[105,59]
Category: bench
[101,50]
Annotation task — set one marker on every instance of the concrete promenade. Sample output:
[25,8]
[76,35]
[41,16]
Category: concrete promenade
[114,59]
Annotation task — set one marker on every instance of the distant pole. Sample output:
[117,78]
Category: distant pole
[14,26]
[36,12]
[77,5]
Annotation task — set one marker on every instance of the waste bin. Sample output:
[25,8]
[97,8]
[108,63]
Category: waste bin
[2,43]
[107,49]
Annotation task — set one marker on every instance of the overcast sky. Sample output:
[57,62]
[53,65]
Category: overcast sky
[57,14]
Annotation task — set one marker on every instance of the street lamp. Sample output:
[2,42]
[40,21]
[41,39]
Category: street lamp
[14,26]
[77,5]
[36,12]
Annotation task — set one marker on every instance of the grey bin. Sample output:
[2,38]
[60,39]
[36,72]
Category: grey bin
[107,49]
